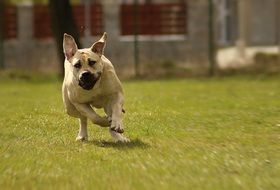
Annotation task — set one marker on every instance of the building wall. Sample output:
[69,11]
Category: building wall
[264,22]
[191,49]
[25,52]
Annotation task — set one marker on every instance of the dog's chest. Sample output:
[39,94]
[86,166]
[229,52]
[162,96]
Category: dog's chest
[99,101]
[95,99]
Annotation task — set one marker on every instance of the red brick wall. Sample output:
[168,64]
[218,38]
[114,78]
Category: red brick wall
[10,22]
[154,19]
[42,21]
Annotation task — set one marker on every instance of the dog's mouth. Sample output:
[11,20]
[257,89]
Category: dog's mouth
[87,81]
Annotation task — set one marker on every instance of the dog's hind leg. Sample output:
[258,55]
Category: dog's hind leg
[82,135]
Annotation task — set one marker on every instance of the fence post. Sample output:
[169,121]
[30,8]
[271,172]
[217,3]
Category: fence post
[278,26]
[136,32]
[211,38]
[1,35]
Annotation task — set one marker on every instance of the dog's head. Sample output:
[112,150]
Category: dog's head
[85,64]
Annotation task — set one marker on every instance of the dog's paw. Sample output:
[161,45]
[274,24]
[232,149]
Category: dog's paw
[117,126]
[125,140]
[118,137]
[81,138]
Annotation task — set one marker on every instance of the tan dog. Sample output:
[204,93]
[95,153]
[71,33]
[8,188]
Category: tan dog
[90,82]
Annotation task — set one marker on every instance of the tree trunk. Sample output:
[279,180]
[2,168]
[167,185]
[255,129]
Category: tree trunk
[1,34]
[62,22]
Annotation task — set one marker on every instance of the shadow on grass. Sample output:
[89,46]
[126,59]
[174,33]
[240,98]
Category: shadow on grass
[137,143]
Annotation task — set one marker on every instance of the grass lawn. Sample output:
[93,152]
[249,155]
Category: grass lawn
[220,133]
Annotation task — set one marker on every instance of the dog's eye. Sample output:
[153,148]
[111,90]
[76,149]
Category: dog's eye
[78,65]
[91,62]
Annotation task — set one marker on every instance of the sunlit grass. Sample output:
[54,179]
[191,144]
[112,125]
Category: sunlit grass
[186,134]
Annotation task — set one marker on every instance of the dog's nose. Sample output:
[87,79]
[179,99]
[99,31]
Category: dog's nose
[86,75]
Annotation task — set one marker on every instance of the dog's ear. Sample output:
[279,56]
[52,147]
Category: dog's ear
[69,46]
[99,46]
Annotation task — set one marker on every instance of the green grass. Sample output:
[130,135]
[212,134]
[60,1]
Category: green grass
[220,133]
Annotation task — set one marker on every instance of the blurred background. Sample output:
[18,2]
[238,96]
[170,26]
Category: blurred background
[146,38]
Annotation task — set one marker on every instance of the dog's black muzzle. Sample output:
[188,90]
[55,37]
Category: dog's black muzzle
[87,80]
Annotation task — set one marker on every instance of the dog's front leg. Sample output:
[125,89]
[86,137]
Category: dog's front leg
[116,125]
[87,111]
[82,135]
